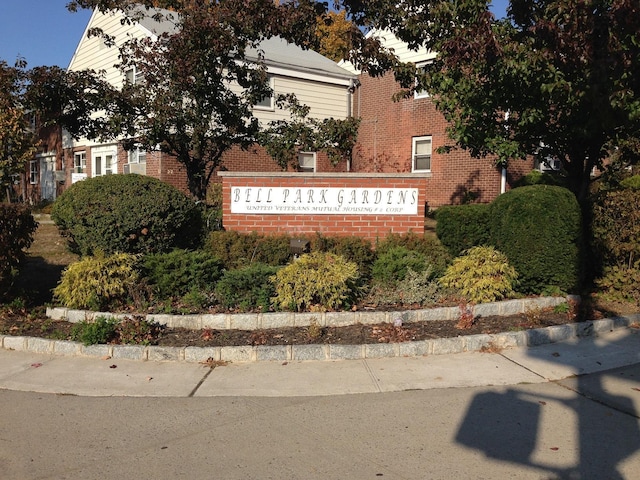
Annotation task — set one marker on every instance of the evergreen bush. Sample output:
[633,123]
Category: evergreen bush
[179,272]
[433,251]
[247,288]
[482,274]
[539,228]
[99,282]
[317,281]
[392,265]
[239,249]
[460,227]
[17,227]
[127,213]
[615,228]
[353,249]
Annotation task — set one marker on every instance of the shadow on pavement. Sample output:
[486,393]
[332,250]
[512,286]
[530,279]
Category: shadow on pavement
[506,426]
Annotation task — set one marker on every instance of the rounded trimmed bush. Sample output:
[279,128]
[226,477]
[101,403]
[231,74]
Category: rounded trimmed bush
[460,227]
[482,275]
[539,228]
[317,281]
[127,213]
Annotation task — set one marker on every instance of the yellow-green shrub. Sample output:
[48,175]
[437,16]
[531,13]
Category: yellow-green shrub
[317,280]
[97,282]
[482,274]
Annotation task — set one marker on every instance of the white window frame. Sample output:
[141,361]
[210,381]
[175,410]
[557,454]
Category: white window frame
[418,94]
[33,172]
[262,105]
[415,156]
[137,155]
[79,162]
[308,169]
[103,152]
[135,74]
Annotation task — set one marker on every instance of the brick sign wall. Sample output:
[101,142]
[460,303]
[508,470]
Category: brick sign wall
[344,204]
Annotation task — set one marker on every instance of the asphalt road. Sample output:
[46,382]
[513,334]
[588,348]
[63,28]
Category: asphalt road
[577,428]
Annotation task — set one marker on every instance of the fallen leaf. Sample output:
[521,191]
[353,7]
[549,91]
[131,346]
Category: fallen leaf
[555,354]
[149,379]
[36,365]
[636,389]
[285,363]
[554,449]
[113,366]
[106,357]
[542,403]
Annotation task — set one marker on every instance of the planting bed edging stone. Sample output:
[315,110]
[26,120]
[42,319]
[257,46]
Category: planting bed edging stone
[441,346]
[255,321]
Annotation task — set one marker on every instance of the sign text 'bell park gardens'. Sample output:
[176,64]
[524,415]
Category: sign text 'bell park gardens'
[328,201]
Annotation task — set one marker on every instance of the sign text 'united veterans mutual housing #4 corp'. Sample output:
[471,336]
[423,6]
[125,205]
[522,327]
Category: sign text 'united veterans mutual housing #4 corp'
[318,200]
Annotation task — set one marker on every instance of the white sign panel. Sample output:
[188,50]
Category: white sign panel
[328,201]
[76,177]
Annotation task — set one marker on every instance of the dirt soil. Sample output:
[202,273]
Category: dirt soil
[18,321]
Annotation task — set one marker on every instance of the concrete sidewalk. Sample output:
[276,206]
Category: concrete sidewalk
[24,371]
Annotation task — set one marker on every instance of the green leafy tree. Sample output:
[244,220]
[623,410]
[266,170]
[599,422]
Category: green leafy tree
[17,140]
[555,78]
[189,103]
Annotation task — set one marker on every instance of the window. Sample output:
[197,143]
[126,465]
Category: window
[267,102]
[421,93]
[307,162]
[421,154]
[133,76]
[137,155]
[33,172]
[104,161]
[79,162]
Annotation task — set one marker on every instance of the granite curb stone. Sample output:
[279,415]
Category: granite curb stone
[321,352]
[441,346]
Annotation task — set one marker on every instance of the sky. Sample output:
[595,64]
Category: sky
[44,32]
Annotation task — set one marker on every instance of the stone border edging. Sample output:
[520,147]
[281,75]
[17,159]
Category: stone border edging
[254,321]
[321,352]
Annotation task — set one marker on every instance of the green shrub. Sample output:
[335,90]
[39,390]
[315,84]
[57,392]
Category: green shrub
[620,284]
[482,274]
[238,249]
[317,281]
[460,227]
[247,288]
[536,177]
[632,182]
[353,249]
[98,282]
[415,289]
[17,227]
[127,213]
[615,228]
[434,252]
[99,331]
[392,265]
[179,272]
[539,229]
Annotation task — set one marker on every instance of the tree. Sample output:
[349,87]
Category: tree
[17,140]
[334,33]
[200,81]
[556,78]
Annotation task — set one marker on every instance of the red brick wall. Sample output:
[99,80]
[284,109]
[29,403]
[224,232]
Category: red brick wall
[385,143]
[366,226]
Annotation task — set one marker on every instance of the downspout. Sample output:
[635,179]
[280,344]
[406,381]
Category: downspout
[503,180]
[354,83]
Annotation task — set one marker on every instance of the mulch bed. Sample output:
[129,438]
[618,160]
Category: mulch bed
[23,324]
